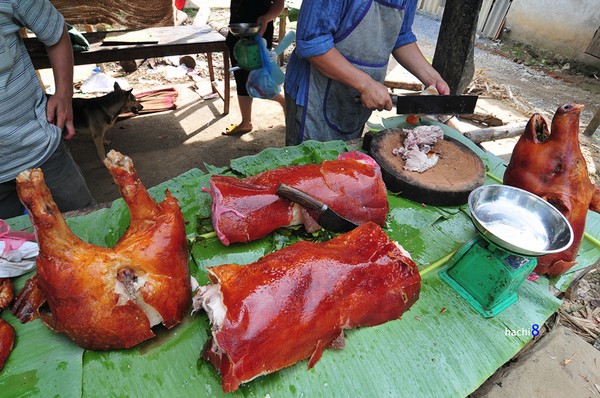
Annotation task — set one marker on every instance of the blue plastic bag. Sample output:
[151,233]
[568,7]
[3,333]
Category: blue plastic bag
[265,82]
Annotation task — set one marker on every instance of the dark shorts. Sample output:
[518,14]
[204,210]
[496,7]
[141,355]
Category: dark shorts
[64,179]
[293,122]
[241,75]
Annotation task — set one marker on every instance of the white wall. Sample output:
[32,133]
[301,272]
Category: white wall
[564,27]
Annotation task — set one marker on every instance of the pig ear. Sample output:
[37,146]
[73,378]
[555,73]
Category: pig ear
[565,123]
[536,129]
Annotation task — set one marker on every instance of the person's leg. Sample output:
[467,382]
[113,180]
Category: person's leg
[65,181]
[293,122]
[245,102]
[280,99]
[244,99]
[10,205]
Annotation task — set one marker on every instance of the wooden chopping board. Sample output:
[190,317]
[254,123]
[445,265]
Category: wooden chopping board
[459,170]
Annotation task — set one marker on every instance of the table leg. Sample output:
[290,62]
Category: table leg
[213,84]
[211,73]
[227,81]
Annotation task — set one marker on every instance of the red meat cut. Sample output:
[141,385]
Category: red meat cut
[247,209]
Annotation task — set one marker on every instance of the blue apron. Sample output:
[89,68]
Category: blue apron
[331,112]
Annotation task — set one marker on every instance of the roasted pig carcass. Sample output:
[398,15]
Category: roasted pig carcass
[248,209]
[295,302]
[550,164]
[7,332]
[108,298]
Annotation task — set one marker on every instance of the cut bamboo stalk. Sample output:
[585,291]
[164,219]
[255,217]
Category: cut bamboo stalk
[496,133]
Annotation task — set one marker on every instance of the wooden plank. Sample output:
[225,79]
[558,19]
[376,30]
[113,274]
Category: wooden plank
[171,40]
[131,14]
[593,48]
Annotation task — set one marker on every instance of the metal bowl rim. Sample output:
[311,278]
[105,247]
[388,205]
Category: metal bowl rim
[479,224]
[244,28]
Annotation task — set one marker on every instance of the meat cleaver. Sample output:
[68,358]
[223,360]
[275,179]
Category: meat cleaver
[329,219]
[432,104]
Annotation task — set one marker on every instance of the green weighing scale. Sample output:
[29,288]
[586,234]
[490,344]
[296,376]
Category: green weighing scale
[515,227]
[247,49]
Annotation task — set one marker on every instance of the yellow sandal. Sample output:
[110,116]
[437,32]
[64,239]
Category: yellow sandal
[234,130]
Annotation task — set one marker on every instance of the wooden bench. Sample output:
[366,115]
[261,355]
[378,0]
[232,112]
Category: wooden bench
[166,41]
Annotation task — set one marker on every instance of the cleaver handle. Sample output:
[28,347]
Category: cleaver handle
[392,96]
[297,196]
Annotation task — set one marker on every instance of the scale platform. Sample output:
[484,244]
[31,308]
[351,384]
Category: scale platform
[515,227]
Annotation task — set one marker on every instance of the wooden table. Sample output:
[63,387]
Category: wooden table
[167,41]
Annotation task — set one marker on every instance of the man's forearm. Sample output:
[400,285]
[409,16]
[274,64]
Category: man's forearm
[61,60]
[413,60]
[333,65]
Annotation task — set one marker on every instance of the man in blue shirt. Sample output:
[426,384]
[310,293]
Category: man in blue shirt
[30,125]
[342,51]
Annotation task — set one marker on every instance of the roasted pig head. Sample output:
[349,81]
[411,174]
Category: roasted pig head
[550,164]
[109,298]
[294,303]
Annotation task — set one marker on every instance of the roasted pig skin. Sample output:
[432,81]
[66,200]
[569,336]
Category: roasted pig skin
[7,333]
[7,340]
[292,304]
[109,298]
[249,208]
[549,163]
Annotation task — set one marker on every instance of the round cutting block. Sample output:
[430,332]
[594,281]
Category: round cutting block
[458,171]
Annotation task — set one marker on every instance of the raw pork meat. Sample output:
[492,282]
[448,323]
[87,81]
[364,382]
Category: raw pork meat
[416,150]
[248,209]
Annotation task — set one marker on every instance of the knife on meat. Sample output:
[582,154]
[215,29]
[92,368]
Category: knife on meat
[329,219]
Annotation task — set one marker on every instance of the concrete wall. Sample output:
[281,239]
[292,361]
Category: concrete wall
[564,27]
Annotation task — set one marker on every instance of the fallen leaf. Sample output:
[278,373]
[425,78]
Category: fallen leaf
[565,362]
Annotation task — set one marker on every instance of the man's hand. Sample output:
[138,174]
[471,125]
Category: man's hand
[59,111]
[376,96]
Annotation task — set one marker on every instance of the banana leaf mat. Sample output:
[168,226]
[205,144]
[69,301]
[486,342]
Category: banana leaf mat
[441,347]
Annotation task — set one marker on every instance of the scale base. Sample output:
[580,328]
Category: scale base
[486,312]
[486,276]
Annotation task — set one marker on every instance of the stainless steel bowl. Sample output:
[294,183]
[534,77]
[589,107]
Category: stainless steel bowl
[519,221]
[244,29]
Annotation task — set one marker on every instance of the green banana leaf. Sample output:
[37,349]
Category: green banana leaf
[441,347]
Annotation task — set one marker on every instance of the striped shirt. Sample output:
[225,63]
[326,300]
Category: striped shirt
[26,138]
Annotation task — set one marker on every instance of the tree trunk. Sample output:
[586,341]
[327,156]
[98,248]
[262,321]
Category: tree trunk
[453,57]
